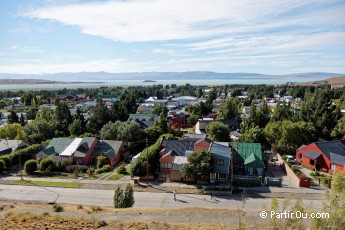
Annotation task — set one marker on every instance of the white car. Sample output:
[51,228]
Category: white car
[290,159]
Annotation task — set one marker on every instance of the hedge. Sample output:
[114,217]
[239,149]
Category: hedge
[25,154]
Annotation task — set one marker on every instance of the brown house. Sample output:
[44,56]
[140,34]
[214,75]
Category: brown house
[114,150]
[83,153]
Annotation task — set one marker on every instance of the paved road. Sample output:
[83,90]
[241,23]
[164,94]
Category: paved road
[142,199]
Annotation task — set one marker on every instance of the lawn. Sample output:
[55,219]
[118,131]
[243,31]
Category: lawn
[48,184]
[115,176]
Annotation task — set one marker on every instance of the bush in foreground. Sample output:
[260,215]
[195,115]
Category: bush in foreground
[124,199]
[47,165]
[30,166]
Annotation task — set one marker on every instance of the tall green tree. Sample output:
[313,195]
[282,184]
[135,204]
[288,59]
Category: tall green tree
[13,132]
[12,117]
[218,131]
[63,117]
[283,111]
[339,130]
[288,135]
[99,117]
[200,165]
[229,109]
[320,110]
[127,131]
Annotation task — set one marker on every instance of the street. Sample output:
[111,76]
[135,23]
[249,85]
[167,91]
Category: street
[142,199]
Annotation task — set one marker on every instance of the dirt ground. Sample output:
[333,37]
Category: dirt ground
[42,216]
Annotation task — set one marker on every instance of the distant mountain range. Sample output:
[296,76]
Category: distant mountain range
[207,75]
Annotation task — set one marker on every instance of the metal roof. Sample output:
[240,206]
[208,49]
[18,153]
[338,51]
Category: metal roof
[334,151]
[311,154]
[178,147]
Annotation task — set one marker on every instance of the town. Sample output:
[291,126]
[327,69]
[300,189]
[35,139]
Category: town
[220,139]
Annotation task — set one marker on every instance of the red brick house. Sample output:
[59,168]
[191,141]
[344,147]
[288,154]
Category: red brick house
[84,151]
[203,144]
[326,156]
[170,149]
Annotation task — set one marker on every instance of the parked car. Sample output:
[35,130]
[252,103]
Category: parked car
[290,159]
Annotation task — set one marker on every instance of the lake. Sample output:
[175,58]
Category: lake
[112,83]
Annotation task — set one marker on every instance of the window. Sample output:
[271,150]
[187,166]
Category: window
[221,176]
[165,165]
[240,165]
[332,166]
[311,162]
[300,156]
[219,162]
[255,171]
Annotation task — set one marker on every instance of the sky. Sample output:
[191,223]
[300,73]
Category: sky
[251,36]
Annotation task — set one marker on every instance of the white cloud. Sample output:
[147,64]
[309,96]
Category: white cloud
[152,20]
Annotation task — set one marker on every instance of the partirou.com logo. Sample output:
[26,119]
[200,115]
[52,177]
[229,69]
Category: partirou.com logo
[291,215]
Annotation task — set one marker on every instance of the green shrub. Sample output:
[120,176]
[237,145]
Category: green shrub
[61,165]
[2,165]
[101,161]
[25,154]
[284,157]
[7,160]
[294,168]
[121,169]
[124,199]
[90,171]
[105,168]
[58,208]
[47,165]
[30,166]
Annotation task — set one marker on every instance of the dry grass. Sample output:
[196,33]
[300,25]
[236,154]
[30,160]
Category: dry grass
[41,216]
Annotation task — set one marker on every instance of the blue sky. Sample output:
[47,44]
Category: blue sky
[266,36]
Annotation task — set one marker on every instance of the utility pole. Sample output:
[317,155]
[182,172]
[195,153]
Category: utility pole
[20,166]
[147,162]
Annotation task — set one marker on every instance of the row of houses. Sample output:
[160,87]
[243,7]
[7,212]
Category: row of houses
[84,151]
[230,159]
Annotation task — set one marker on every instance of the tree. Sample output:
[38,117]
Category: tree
[118,197]
[193,119]
[287,135]
[229,109]
[320,110]
[30,166]
[253,135]
[12,117]
[124,199]
[47,165]
[101,161]
[200,165]
[99,116]
[218,131]
[127,131]
[158,110]
[334,205]
[13,132]
[339,130]
[40,130]
[63,118]
[76,128]
[282,112]
[128,200]
[153,132]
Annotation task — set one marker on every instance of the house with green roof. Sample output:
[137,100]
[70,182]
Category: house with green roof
[54,148]
[248,159]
